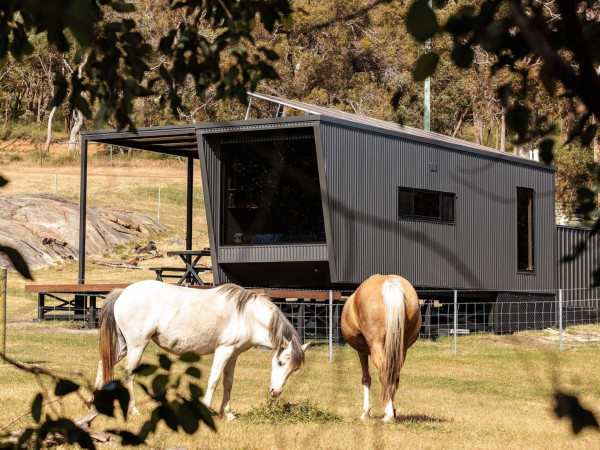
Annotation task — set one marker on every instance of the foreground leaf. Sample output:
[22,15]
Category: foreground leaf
[425,66]
[17,261]
[64,387]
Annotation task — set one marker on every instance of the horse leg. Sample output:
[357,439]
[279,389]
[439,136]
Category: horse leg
[87,420]
[378,358]
[222,357]
[366,383]
[134,356]
[227,384]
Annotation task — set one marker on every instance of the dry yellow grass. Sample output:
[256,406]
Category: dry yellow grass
[497,393]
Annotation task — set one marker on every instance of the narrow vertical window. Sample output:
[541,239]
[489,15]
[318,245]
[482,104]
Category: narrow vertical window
[525,229]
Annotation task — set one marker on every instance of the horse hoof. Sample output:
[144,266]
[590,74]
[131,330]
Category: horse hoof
[365,416]
[229,417]
[388,419]
[133,410]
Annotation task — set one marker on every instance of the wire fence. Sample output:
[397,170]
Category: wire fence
[452,321]
[445,314]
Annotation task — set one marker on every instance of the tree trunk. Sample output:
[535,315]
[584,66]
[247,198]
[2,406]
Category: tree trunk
[39,109]
[460,121]
[49,130]
[477,129]
[503,131]
[77,124]
[7,110]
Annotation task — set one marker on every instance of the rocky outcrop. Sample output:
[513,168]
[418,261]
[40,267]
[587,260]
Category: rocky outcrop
[45,228]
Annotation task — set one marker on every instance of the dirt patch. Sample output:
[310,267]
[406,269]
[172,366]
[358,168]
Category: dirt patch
[573,336]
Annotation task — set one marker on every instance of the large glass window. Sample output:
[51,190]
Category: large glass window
[271,192]
[524,229]
[425,204]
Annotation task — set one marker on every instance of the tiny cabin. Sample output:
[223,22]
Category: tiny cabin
[330,198]
[325,199]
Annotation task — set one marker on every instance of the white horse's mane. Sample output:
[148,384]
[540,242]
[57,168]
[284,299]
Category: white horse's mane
[280,328]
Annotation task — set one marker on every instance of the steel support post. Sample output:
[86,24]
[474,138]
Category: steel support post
[82,211]
[190,204]
[560,319]
[455,318]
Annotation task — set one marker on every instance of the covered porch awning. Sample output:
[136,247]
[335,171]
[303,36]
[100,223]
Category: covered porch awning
[179,140]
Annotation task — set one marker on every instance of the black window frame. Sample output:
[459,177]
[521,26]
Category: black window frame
[522,266]
[412,214]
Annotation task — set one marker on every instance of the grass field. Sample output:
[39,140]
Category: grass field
[496,393]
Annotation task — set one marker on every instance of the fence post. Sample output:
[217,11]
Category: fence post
[3,286]
[560,320]
[158,203]
[455,318]
[330,326]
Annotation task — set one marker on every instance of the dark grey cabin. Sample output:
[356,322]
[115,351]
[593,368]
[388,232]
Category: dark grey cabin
[330,199]
[327,199]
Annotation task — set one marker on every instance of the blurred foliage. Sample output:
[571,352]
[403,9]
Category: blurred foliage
[112,55]
[180,411]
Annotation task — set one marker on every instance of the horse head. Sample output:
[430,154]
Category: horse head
[287,359]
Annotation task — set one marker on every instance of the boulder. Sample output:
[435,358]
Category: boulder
[44,228]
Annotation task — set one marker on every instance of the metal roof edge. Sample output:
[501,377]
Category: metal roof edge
[459,146]
[249,123]
[143,131]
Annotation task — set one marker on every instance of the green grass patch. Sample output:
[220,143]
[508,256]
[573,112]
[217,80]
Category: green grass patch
[280,412]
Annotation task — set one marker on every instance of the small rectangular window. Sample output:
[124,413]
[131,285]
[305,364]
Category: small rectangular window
[425,204]
[525,229]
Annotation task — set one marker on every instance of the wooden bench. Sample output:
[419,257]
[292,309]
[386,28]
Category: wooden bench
[75,301]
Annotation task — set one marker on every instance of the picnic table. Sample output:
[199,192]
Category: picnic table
[190,272]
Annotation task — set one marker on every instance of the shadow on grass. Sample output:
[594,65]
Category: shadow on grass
[419,418]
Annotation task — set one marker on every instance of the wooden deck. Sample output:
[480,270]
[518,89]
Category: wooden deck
[78,301]
[74,288]
[70,301]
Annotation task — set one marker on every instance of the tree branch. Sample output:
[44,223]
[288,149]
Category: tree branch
[589,93]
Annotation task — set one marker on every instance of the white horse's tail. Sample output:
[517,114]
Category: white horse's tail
[108,335]
[393,348]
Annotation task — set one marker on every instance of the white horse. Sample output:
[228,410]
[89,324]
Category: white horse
[226,320]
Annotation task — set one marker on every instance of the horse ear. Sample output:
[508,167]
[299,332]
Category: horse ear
[285,344]
[305,346]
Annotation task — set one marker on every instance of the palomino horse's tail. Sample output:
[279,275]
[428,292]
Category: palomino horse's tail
[108,335]
[393,349]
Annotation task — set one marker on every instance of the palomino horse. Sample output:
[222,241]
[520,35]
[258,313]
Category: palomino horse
[382,319]
[226,320]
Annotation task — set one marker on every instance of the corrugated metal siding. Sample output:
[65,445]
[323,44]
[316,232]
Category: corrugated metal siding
[273,253]
[478,251]
[575,277]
